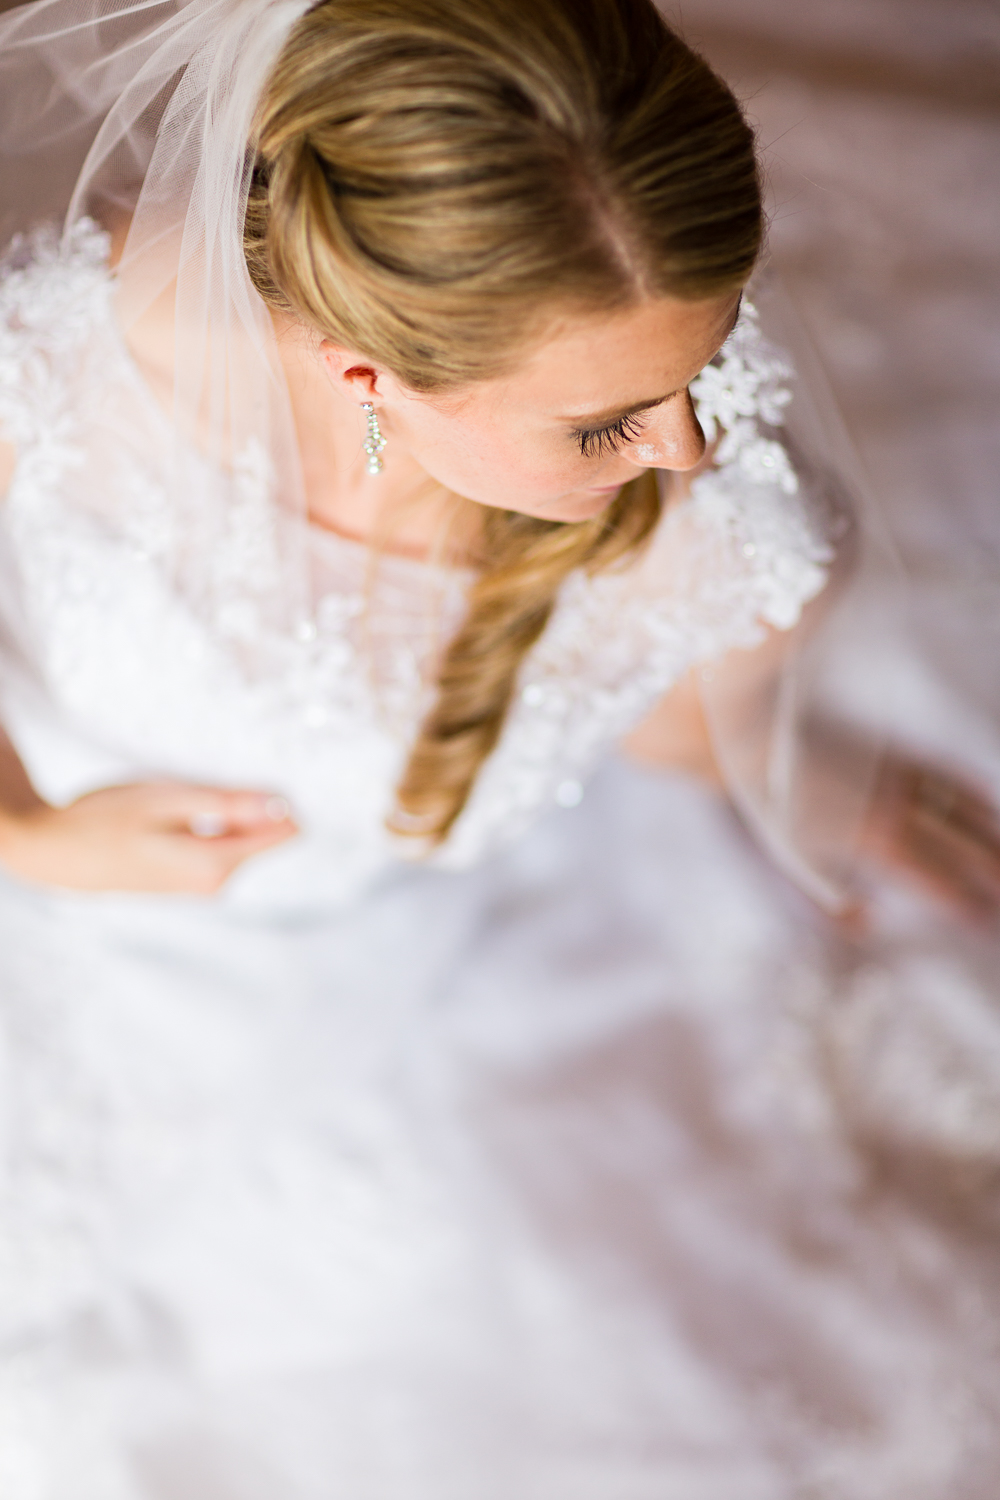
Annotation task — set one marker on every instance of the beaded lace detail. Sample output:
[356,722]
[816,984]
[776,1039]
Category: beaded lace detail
[105,622]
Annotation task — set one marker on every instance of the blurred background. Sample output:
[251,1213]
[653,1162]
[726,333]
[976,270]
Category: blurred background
[880,126]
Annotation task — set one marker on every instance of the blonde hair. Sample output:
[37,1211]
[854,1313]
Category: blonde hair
[433,178]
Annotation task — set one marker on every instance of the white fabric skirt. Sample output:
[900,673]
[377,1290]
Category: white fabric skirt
[605,1172]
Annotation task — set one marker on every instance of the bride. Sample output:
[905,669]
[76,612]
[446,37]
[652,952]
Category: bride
[400,1097]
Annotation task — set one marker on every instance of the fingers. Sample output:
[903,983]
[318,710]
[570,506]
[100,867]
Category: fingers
[953,867]
[945,800]
[202,865]
[205,833]
[230,849]
[245,818]
[942,832]
[214,813]
[158,837]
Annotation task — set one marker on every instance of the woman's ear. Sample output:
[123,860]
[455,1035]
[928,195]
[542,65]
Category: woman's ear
[349,372]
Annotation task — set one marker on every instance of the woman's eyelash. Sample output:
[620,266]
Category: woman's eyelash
[595,442]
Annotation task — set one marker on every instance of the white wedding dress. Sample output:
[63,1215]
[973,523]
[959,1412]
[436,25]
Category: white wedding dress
[579,1163]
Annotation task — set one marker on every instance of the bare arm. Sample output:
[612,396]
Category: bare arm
[925,822]
[8,462]
[676,735]
[165,837]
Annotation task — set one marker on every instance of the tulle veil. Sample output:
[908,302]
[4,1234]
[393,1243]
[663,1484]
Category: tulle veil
[144,110]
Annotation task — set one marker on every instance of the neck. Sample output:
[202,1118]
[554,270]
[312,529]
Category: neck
[399,510]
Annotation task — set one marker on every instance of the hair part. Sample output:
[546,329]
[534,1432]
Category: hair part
[435,180]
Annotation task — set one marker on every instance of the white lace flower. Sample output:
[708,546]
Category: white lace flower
[724,393]
[736,435]
[773,396]
[746,386]
[765,462]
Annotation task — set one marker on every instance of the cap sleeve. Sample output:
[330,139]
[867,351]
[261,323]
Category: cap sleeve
[754,540]
[50,291]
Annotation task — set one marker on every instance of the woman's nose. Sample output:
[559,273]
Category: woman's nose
[673,439]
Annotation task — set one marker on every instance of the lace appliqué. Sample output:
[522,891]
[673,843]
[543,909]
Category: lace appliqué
[745,385]
[50,301]
[745,501]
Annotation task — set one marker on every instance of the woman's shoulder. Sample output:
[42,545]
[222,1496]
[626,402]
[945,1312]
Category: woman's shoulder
[8,463]
[55,292]
[49,281]
[53,289]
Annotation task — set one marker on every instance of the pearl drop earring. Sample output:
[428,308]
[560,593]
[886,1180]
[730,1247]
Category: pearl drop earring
[374,441]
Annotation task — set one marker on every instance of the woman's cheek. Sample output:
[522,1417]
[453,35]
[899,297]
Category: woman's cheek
[490,464]
[547,484]
[496,471]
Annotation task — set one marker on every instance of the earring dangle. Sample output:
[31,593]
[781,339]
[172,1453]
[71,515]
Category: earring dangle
[374,441]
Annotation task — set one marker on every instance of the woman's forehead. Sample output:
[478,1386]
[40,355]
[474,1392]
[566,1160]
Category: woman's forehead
[592,367]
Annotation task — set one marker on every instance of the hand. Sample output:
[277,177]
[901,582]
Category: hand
[936,828]
[157,837]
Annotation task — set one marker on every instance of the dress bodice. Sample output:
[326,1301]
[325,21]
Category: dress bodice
[111,673]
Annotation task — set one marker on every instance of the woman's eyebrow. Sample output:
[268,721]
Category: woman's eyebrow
[608,419]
